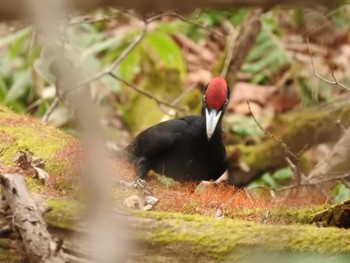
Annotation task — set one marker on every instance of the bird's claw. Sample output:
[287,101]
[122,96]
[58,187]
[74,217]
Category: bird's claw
[139,184]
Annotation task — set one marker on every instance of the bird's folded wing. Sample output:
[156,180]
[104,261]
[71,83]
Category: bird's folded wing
[159,138]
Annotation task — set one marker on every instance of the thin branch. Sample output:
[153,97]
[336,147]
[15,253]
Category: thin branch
[213,31]
[294,163]
[115,63]
[335,81]
[97,76]
[296,169]
[90,21]
[145,93]
[271,136]
[183,95]
[340,178]
[108,70]
[52,107]
[232,41]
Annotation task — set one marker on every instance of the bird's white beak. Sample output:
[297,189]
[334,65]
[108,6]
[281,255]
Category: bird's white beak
[211,120]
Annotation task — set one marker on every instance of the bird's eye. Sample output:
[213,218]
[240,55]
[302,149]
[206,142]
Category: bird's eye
[204,98]
[226,101]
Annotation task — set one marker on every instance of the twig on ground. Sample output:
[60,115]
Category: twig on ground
[335,81]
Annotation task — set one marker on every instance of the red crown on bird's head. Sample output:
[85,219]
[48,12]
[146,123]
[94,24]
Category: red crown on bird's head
[216,93]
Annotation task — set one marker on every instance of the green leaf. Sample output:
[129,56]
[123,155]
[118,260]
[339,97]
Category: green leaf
[19,87]
[340,194]
[42,69]
[269,180]
[268,55]
[265,180]
[130,66]
[3,89]
[244,126]
[163,49]
[283,175]
[15,36]
[101,46]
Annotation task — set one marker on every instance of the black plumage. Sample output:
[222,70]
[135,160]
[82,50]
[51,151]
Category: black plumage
[189,148]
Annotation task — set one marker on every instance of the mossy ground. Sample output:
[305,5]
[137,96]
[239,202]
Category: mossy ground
[270,223]
[56,148]
[60,152]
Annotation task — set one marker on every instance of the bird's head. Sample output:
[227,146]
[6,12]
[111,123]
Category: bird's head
[215,98]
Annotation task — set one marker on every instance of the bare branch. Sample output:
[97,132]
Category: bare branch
[213,31]
[90,21]
[115,63]
[109,70]
[145,93]
[183,95]
[335,81]
[294,164]
[340,178]
[271,136]
[232,41]
[296,169]
[52,107]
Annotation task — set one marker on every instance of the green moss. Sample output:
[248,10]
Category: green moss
[7,256]
[24,133]
[233,239]
[295,131]
[280,215]
[34,185]
[219,239]
[64,213]
[29,138]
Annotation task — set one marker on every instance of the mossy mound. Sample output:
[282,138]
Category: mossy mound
[56,148]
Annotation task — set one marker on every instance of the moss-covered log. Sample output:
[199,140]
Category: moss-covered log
[338,215]
[296,130]
[173,237]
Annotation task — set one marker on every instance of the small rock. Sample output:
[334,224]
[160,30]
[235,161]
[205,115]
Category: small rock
[132,202]
[202,186]
[151,200]
[219,214]
[135,201]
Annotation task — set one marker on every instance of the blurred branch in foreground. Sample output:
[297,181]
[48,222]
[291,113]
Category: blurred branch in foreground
[17,8]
